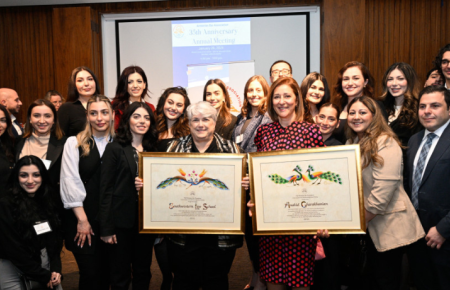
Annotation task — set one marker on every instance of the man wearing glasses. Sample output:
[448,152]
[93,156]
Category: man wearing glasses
[280,68]
[443,61]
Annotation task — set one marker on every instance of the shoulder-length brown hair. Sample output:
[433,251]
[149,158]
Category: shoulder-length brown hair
[340,98]
[408,116]
[247,107]
[181,126]
[304,88]
[54,131]
[73,94]
[299,109]
[377,128]
[224,112]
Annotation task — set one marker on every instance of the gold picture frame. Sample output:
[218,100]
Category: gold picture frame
[192,193]
[301,191]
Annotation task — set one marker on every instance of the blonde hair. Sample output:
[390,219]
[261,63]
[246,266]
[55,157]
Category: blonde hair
[84,136]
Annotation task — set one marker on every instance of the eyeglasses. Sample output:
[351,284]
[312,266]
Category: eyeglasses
[283,72]
[444,62]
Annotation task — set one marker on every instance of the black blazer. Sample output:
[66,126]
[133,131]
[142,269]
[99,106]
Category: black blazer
[404,133]
[5,168]
[89,168]
[434,196]
[54,154]
[227,131]
[118,196]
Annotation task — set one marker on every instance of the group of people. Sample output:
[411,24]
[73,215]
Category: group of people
[71,174]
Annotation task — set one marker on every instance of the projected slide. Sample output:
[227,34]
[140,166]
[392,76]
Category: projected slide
[206,41]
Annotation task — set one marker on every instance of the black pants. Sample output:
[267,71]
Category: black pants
[427,275]
[162,257]
[384,269]
[205,267]
[131,257]
[251,240]
[326,271]
[94,268]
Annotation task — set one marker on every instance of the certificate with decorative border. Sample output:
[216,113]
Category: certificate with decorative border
[301,191]
[197,193]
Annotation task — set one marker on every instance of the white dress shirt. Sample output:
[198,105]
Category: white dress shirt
[73,192]
[438,132]
[17,127]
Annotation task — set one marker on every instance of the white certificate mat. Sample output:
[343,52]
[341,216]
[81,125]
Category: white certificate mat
[301,191]
[192,193]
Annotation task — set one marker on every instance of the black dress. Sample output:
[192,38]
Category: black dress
[5,168]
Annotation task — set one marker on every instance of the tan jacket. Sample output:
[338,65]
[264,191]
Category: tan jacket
[396,223]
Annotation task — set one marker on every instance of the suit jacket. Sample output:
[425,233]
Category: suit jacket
[54,154]
[396,223]
[118,196]
[434,195]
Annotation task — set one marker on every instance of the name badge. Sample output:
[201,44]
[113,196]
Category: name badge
[46,163]
[42,227]
[239,138]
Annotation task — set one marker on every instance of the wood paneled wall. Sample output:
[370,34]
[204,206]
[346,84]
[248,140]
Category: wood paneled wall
[408,31]
[34,56]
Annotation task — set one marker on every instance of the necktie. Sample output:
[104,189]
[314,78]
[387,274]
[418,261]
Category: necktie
[417,176]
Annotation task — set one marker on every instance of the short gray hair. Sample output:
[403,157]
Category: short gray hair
[203,108]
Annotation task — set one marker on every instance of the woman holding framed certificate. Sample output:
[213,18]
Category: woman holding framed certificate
[391,219]
[118,214]
[287,260]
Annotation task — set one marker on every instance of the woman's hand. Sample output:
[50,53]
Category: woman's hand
[245,182]
[138,182]
[84,231]
[109,239]
[55,280]
[250,205]
[322,234]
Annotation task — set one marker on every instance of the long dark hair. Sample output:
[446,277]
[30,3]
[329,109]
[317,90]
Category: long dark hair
[224,112]
[304,88]
[341,98]
[73,94]
[55,130]
[181,126]
[7,138]
[408,116]
[122,99]
[124,135]
[26,210]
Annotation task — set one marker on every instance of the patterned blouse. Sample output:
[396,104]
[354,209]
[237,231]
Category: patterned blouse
[273,136]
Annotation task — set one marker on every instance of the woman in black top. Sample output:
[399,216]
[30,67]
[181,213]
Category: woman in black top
[6,146]
[216,93]
[400,93]
[171,119]
[72,114]
[118,215]
[328,121]
[354,80]
[30,238]
[315,92]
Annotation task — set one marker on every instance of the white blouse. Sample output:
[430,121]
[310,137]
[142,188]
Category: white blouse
[73,192]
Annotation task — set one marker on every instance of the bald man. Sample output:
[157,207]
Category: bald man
[10,99]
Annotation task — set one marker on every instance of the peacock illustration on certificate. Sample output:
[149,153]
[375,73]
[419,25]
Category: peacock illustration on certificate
[314,190]
[192,179]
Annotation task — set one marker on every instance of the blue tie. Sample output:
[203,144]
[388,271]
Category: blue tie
[417,177]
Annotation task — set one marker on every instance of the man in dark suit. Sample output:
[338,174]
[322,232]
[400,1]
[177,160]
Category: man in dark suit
[427,181]
[10,99]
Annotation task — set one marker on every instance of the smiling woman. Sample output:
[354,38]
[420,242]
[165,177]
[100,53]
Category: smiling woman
[131,87]
[315,92]
[44,139]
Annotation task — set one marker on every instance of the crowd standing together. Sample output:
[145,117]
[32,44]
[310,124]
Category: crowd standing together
[70,175]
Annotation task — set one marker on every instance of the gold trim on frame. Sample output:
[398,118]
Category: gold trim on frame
[243,157]
[318,150]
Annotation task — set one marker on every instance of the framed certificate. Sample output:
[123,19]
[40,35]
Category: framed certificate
[192,193]
[301,191]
